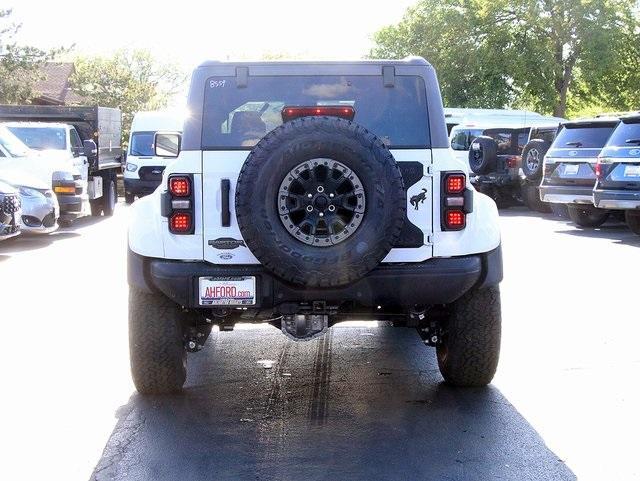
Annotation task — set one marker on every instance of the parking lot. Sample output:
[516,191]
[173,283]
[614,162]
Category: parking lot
[365,402]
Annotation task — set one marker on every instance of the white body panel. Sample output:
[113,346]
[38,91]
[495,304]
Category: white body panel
[149,234]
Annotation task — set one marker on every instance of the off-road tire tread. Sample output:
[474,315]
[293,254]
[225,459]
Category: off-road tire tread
[315,128]
[158,357]
[472,339]
[543,147]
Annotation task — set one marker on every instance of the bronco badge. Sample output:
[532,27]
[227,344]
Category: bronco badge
[226,243]
[418,199]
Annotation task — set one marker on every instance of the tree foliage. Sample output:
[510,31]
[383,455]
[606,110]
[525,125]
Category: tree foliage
[130,80]
[19,65]
[545,54]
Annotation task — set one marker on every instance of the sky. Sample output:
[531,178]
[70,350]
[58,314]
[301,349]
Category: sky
[188,32]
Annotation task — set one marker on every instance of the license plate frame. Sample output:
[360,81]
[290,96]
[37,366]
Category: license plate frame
[632,170]
[227,291]
[571,169]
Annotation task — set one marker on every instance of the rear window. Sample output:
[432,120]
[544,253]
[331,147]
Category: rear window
[581,136]
[627,134]
[237,118]
[462,138]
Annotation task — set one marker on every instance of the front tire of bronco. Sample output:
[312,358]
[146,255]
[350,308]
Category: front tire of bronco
[469,352]
[158,357]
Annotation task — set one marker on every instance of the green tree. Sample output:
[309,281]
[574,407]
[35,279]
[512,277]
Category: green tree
[19,65]
[539,53]
[130,80]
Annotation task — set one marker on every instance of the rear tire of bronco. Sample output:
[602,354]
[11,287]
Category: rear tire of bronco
[483,160]
[158,357]
[633,221]
[587,216]
[469,352]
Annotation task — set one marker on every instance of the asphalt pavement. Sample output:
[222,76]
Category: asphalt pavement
[364,402]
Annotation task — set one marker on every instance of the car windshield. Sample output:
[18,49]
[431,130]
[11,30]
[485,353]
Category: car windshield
[12,144]
[239,117]
[41,138]
[142,144]
[627,134]
[584,136]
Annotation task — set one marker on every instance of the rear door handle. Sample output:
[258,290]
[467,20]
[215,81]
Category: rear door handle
[225,188]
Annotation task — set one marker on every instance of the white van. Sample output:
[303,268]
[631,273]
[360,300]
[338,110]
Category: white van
[456,116]
[143,171]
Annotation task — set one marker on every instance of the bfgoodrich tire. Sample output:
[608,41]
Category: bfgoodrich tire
[294,176]
[468,355]
[158,357]
[587,216]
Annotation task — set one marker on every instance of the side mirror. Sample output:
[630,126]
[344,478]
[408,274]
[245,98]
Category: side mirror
[166,144]
[90,149]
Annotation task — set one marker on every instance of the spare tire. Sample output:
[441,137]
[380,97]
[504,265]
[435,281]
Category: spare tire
[320,201]
[483,155]
[532,156]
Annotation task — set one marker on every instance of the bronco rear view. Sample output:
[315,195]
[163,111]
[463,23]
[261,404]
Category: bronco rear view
[308,193]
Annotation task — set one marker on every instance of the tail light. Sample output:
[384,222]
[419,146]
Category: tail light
[180,222]
[177,204]
[513,161]
[180,186]
[456,201]
[343,111]
[598,170]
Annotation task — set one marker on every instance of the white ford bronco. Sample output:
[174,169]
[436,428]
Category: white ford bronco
[308,193]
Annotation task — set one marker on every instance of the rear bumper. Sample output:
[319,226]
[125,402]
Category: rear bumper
[70,205]
[140,187]
[563,194]
[616,199]
[436,281]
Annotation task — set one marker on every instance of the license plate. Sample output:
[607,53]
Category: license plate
[632,171]
[571,169]
[227,291]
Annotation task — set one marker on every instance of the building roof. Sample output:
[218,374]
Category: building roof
[54,88]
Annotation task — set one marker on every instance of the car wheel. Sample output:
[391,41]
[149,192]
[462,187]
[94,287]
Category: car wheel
[633,221]
[470,348]
[586,216]
[532,156]
[320,201]
[129,198]
[531,198]
[158,357]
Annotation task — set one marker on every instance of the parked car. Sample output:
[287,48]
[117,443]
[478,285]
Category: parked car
[81,154]
[466,116]
[40,210]
[569,168]
[9,212]
[495,157]
[618,172]
[143,170]
[305,194]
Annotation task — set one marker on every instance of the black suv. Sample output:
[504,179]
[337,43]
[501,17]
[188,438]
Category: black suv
[618,172]
[570,168]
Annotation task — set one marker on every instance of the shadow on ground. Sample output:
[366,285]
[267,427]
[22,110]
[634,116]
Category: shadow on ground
[362,403]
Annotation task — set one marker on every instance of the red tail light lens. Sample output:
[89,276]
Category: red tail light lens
[455,219]
[180,186]
[598,170]
[180,222]
[346,112]
[512,161]
[455,183]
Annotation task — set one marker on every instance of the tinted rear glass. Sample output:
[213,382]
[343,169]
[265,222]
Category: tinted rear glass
[236,118]
[583,137]
[462,138]
[627,134]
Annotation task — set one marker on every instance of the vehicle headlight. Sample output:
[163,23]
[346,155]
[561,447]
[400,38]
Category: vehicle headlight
[131,167]
[28,192]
